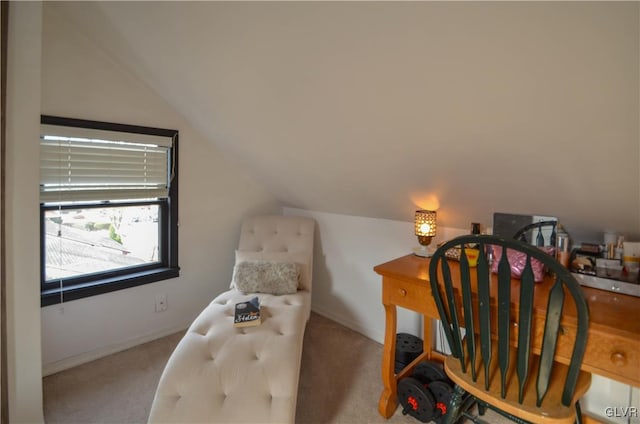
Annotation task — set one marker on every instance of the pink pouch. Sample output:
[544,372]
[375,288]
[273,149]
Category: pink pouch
[518,260]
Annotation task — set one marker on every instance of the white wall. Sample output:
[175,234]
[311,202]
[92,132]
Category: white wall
[345,287]
[23,297]
[80,81]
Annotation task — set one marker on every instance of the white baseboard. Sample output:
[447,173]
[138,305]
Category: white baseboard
[369,333]
[83,358]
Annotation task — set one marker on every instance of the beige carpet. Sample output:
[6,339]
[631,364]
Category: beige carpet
[339,382]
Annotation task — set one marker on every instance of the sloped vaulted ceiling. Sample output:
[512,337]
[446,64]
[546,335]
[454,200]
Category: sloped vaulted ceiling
[374,109]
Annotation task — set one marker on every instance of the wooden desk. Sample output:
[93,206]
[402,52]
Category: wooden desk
[613,346]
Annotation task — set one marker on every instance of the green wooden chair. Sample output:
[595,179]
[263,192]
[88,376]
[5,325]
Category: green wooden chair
[505,334]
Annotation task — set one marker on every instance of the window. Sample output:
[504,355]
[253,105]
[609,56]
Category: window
[108,207]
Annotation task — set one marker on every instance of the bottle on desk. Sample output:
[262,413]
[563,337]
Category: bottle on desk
[563,248]
[472,250]
[619,249]
[475,230]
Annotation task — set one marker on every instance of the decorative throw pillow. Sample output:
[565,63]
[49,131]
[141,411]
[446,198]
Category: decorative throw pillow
[301,258]
[266,277]
[518,260]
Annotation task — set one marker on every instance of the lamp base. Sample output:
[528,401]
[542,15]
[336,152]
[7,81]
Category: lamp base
[424,251]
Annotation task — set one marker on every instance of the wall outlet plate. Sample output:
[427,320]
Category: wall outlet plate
[161,302]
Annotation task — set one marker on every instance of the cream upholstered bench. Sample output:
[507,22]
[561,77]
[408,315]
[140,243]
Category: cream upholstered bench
[222,374]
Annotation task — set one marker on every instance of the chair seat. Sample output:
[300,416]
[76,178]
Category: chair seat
[551,410]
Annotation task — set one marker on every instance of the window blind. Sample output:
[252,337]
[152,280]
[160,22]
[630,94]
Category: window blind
[80,164]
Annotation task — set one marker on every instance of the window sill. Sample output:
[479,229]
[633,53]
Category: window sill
[106,285]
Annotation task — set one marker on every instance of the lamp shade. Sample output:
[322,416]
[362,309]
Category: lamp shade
[425,223]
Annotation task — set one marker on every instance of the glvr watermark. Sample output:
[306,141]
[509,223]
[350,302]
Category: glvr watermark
[621,411]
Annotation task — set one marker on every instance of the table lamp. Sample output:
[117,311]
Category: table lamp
[425,229]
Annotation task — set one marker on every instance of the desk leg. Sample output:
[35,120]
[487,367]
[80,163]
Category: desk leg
[427,343]
[389,397]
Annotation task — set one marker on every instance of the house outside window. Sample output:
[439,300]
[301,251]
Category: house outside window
[108,207]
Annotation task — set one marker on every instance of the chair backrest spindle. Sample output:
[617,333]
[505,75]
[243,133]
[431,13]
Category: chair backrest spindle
[465,279]
[484,311]
[504,319]
[524,326]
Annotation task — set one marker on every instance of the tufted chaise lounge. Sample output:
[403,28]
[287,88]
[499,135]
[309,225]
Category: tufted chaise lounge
[222,374]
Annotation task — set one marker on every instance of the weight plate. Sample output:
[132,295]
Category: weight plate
[416,399]
[408,347]
[428,372]
[442,393]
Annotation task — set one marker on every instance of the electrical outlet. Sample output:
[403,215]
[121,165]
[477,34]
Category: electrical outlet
[161,302]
